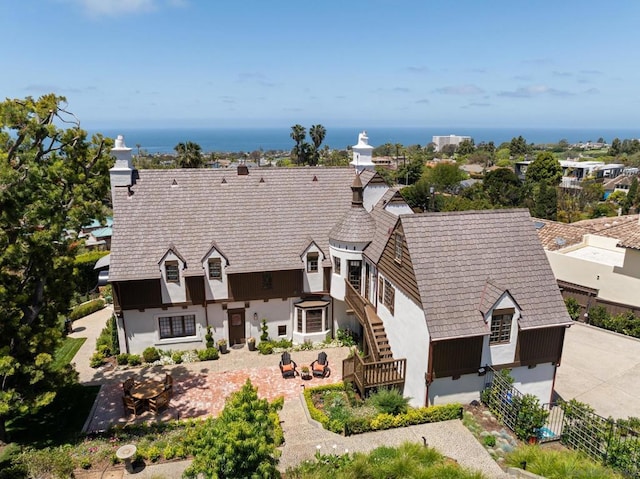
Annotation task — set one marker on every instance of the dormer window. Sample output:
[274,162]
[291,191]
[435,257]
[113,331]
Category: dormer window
[501,321]
[398,248]
[171,271]
[215,268]
[312,262]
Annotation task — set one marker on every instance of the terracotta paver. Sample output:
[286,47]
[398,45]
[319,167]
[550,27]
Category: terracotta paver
[202,394]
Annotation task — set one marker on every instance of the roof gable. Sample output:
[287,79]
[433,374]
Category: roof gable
[453,254]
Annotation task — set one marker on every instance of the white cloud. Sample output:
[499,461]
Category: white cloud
[119,7]
[460,90]
[533,90]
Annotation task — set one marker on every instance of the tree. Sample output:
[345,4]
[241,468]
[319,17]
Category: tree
[545,201]
[545,167]
[444,176]
[410,172]
[419,195]
[632,196]
[241,442]
[466,147]
[189,155]
[616,147]
[518,147]
[52,181]
[503,187]
[317,134]
[299,152]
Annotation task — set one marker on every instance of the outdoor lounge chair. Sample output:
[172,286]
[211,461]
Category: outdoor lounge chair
[320,366]
[160,402]
[287,366]
[132,405]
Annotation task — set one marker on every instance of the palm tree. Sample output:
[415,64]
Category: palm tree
[189,155]
[317,133]
[298,134]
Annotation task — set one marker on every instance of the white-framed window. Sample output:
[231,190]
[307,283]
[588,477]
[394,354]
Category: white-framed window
[177,326]
[336,265]
[501,327]
[171,271]
[215,268]
[311,320]
[312,262]
[355,273]
[389,296]
[398,247]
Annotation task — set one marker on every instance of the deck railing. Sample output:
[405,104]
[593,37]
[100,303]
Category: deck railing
[360,305]
[373,374]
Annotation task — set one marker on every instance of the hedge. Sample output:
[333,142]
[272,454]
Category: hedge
[379,422]
[85,276]
[85,309]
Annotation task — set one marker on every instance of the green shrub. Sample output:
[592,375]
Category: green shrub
[176,357]
[264,335]
[573,308]
[150,354]
[283,343]
[209,338]
[108,339]
[208,354]
[489,441]
[346,337]
[85,276]
[135,360]
[122,359]
[96,360]
[47,462]
[389,401]
[530,417]
[85,309]
[265,347]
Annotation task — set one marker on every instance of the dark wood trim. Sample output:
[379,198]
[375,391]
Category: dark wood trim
[400,273]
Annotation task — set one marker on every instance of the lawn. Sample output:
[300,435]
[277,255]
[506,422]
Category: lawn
[67,351]
[58,423]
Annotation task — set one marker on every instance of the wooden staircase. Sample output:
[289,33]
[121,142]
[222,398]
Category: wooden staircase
[378,368]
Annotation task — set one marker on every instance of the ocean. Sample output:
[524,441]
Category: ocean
[163,140]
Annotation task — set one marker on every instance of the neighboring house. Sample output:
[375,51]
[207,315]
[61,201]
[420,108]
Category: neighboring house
[597,261]
[436,298]
[621,182]
[455,140]
[575,172]
[98,235]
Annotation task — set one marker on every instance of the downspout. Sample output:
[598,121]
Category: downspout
[429,375]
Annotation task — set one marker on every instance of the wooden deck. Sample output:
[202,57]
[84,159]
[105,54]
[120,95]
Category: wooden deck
[377,368]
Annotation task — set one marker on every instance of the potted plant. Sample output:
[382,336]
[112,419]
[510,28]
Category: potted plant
[222,346]
[251,343]
[305,372]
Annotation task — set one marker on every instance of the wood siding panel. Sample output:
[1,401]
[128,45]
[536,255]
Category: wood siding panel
[399,273]
[539,346]
[248,286]
[455,357]
[140,294]
[195,289]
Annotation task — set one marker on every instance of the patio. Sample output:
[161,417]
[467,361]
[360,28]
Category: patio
[200,389]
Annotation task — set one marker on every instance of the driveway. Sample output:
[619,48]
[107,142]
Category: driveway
[602,369]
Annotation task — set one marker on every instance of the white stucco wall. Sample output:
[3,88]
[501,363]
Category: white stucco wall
[398,209]
[216,288]
[142,329]
[408,338]
[462,390]
[313,282]
[537,381]
[616,284]
[372,195]
[504,353]
[172,292]
[346,252]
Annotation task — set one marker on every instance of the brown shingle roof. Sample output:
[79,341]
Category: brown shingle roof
[555,235]
[455,254]
[258,226]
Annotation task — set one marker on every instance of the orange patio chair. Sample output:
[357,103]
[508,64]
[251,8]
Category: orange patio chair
[320,366]
[287,366]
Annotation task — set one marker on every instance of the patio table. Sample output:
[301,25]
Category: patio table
[147,389]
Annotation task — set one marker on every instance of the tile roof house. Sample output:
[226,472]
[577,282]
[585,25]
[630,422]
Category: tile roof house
[434,297]
[596,262]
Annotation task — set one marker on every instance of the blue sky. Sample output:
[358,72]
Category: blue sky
[183,63]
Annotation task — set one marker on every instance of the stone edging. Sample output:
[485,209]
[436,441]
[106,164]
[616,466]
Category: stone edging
[516,472]
[311,421]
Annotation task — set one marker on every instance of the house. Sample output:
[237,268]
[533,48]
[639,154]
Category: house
[441,141]
[436,298]
[621,182]
[575,172]
[98,236]
[597,262]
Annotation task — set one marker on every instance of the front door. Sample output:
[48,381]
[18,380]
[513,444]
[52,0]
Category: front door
[236,326]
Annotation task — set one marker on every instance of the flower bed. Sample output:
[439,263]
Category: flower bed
[333,406]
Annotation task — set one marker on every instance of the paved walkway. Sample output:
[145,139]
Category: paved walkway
[602,369]
[201,388]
